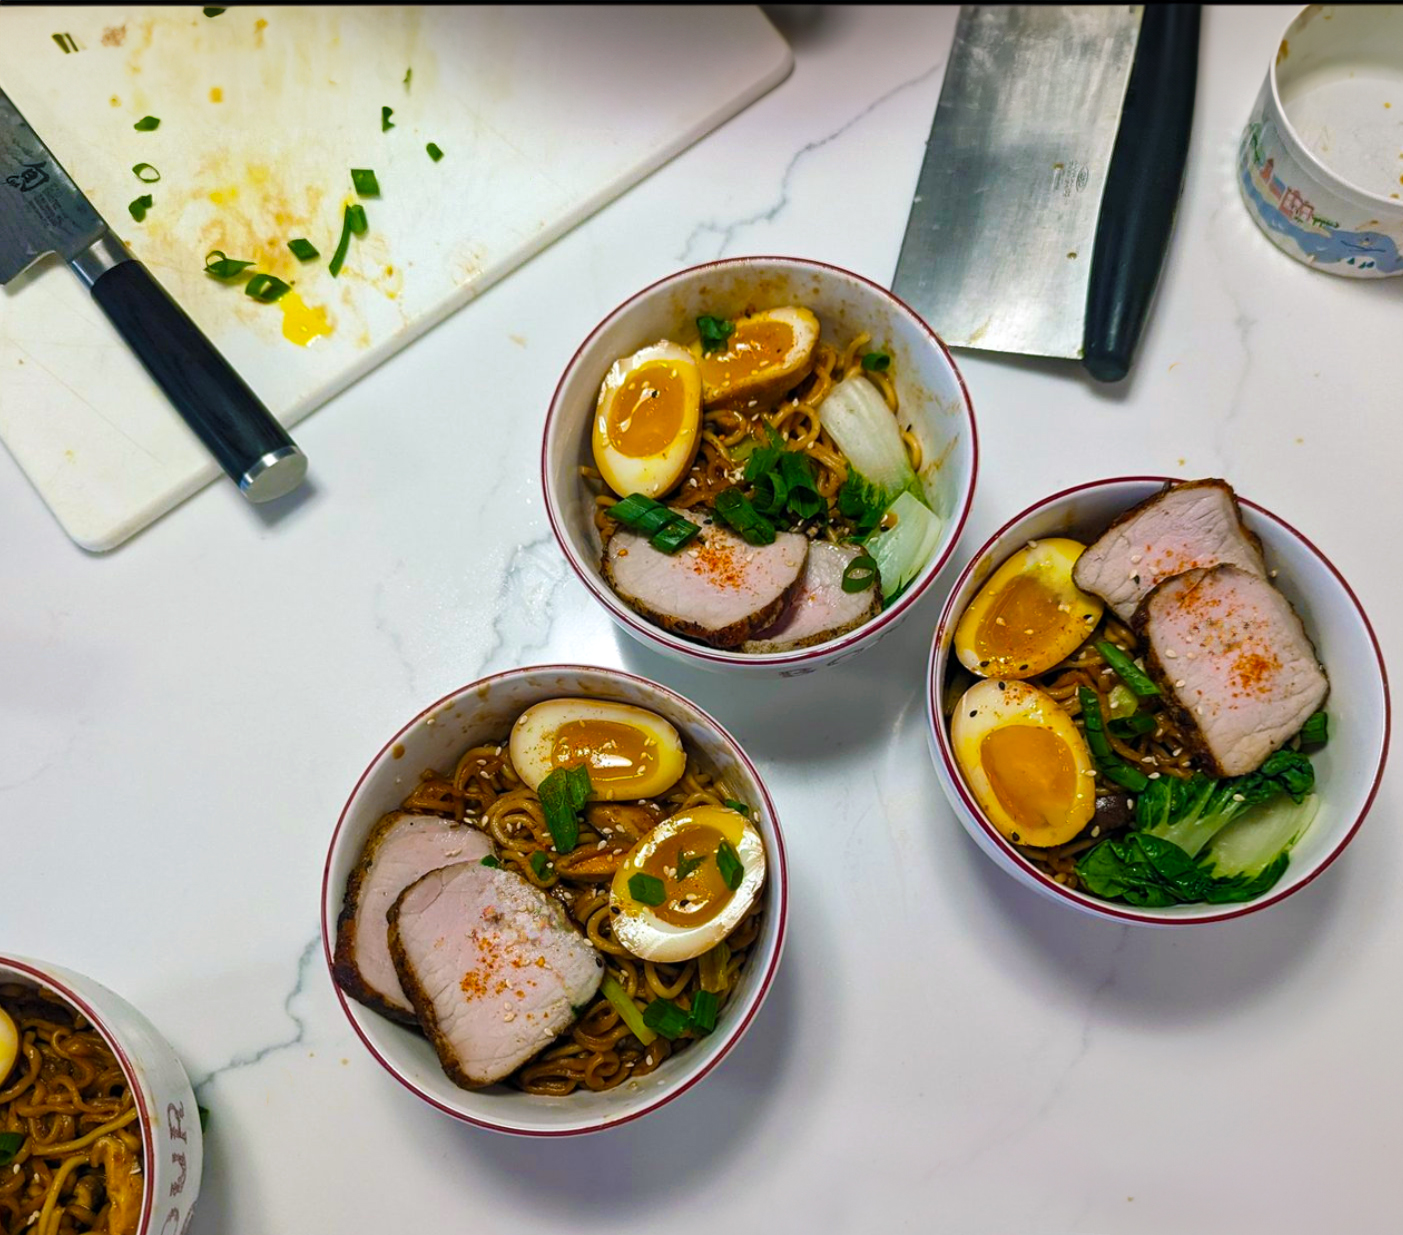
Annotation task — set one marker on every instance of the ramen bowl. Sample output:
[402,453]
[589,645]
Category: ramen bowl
[931,392]
[485,711]
[1348,768]
[167,1116]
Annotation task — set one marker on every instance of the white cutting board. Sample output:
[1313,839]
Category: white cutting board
[543,114]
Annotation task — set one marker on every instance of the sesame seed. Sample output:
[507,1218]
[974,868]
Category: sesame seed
[998,621]
[1273,574]
[1199,709]
[1154,775]
[1176,752]
[1003,686]
[509,1015]
[975,713]
[1064,608]
[1028,631]
[1170,655]
[1179,684]
[1190,655]
[1096,831]
[1237,797]
[1130,803]
[1135,557]
[1147,759]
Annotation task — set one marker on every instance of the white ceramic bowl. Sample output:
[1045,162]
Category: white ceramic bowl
[929,386]
[1318,165]
[1348,769]
[172,1146]
[484,711]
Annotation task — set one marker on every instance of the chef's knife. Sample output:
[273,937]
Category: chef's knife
[42,211]
[1046,200]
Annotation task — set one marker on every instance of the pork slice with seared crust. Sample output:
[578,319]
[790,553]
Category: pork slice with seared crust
[402,848]
[1181,528]
[818,609]
[493,967]
[1234,662]
[719,589]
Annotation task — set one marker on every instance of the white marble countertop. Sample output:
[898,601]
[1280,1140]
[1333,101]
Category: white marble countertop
[181,721]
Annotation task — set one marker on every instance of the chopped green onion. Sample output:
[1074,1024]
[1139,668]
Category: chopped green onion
[667,531]
[771,492]
[675,535]
[147,124]
[667,1018]
[687,863]
[562,794]
[627,1009]
[739,807]
[1131,727]
[764,455]
[266,288]
[1111,765]
[1121,701]
[141,170]
[491,861]
[434,152]
[647,889]
[65,41]
[714,332]
[386,124]
[10,1143]
[303,250]
[735,508]
[204,1117]
[1127,670]
[711,967]
[732,872]
[540,864]
[220,265]
[861,573]
[353,217]
[214,12]
[139,207]
[703,1015]
[364,181]
[1316,730]
[876,362]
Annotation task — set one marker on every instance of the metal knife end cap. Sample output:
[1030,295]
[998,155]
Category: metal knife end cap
[275,475]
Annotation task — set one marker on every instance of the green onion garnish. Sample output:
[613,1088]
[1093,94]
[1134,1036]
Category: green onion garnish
[303,250]
[386,124]
[647,889]
[735,508]
[764,455]
[562,794]
[147,124]
[1126,669]
[739,807]
[65,41]
[355,215]
[1128,728]
[139,207]
[714,332]
[711,967]
[666,530]
[732,872]
[214,12]
[1316,730]
[876,362]
[674,536]
[204,1117]
[338,259]
[666,1018]
[11,1142]
[146,173]
[266,288]
[687,863]
[434,152]
[540,864]
[703,1015]
[627,1009]
[364,181]
[491,861]
[220,265]
[1111,765]
[861,573]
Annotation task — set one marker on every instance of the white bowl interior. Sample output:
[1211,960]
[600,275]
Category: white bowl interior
[485,712]
[931,395]
[1347,769]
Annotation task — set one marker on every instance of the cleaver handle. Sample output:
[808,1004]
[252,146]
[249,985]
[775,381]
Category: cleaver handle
[1142,187]
[217,404]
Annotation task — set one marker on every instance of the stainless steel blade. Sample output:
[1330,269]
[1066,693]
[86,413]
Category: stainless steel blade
[41,209]
[997,253]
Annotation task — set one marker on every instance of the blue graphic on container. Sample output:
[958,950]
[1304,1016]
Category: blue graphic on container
[1289,214]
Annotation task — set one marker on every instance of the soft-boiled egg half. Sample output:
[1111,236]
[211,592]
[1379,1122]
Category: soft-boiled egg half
[1025,762]
[630,752]
[674,893]
[1029,616]
[647,425]
[766,356]
[9,1045]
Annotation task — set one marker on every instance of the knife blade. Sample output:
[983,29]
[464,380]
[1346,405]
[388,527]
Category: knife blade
[42,212]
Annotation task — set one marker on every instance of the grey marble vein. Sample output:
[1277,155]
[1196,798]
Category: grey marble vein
[525,605]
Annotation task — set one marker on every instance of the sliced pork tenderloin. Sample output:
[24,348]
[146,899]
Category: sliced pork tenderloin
[1181,528]
[493,967]
[1234,662]
[818,609]
[719,589]
[402,849]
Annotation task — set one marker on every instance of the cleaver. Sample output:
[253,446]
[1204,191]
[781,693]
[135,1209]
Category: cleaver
[41,212]
[1052,173]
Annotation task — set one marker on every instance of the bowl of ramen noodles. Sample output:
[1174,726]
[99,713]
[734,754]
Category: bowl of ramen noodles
[99,1131]
[555,900]
[759,464]
[1155,701]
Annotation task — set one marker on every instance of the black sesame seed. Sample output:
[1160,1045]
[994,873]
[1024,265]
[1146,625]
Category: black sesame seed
[974,713]
[1003,685]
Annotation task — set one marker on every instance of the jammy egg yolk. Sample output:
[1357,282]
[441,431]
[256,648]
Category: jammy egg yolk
[612,751]
[1032,773]
[702,894]
[765,355]
[648,410]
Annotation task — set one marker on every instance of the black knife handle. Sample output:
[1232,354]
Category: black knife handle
[211,398]
[1142,187]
